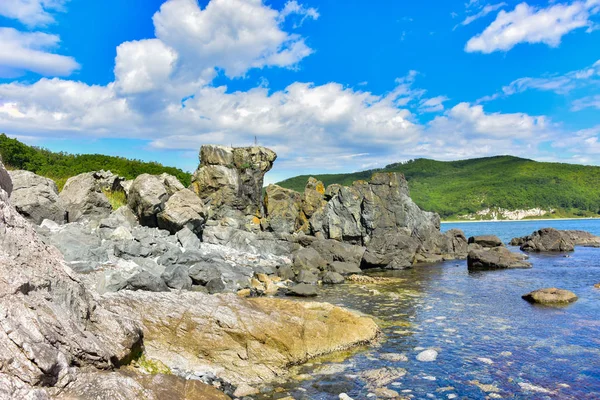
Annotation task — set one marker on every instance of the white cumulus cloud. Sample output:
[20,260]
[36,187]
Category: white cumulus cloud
[31,51]
[31,12]
[233,35]
[530,24]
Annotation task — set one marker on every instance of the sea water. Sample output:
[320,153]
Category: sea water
[490,342]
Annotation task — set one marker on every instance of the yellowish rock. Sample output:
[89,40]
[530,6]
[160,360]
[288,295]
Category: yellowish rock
[247,340]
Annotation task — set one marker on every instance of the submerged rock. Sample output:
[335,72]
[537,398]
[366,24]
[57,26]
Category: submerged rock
[551,296]
[495,258]
[36,198]
[376,378]
[427,355]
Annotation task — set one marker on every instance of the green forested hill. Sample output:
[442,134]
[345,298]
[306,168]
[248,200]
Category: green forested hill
[462,187]
[61,166]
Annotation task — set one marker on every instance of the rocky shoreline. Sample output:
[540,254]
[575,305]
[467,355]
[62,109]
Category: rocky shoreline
[189,282]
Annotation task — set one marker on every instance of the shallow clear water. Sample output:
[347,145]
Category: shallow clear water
[484,332]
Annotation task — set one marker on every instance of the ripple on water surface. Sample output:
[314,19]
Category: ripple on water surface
[489,342]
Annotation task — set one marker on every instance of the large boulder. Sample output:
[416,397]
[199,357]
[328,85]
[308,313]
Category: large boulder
[545,240]
[183,209]
[232,178]
[307,259]
[282,208]
[84,199]
[149,194]
[36,197]
[495,258]
[551,296]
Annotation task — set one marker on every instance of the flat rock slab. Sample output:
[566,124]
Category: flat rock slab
[551,296]
[250,341]
[495,258]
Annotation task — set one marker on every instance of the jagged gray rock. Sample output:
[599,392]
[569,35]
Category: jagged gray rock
[36,197]
[283,207]
[232,178]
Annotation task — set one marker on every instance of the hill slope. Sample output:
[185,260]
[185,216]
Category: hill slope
[457,188]
[61,166]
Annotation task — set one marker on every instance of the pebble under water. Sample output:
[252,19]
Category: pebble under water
[489,342]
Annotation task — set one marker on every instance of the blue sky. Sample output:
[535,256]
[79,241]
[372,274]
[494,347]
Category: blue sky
[330,86]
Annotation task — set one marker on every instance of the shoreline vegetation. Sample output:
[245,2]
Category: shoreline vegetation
[502,188]
[488,188]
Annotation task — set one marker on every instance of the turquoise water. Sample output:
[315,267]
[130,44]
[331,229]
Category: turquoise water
[484,332]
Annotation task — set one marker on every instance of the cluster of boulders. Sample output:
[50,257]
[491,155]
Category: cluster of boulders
[62,338]
[222,231]
[554,240]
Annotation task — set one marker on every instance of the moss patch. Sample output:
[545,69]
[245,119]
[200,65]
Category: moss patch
[117,199]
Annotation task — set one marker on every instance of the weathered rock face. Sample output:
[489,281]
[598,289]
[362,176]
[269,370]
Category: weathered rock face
[313,200]
[233,177]
[36,197]
[499,257]
[241,340]
[380,215]
[283,206]
[49,322]
[149,194]
[183,209]
[83,198]
[551,296]
[395,250]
